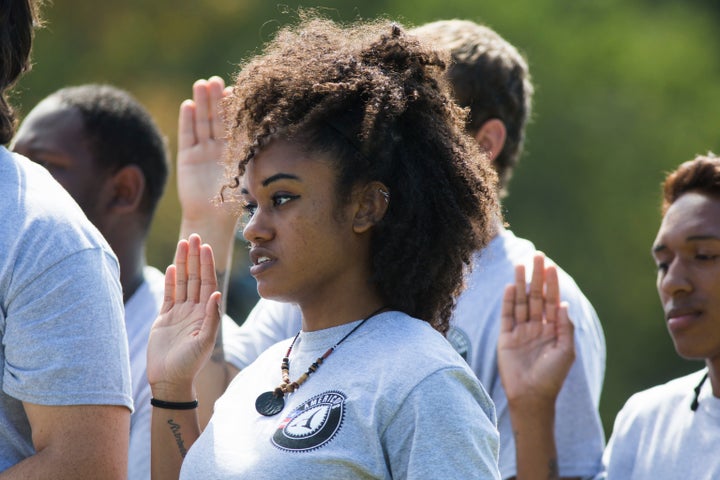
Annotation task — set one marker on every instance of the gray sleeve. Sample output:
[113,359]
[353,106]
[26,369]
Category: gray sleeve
[65,339]
[445,428]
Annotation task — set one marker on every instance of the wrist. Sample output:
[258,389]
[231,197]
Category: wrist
[173,393]
[532,405]
[173,405]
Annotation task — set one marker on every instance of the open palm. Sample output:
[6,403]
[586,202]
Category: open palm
[201,142]
[183,334]
[535,346]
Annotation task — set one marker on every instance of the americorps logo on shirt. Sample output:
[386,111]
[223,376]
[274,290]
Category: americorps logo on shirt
[312,424]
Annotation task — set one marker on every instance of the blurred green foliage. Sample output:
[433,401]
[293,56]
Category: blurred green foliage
[625,90]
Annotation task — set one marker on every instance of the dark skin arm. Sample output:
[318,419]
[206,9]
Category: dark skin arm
[78,441]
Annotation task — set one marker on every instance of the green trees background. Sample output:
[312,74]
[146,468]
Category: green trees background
[625,90]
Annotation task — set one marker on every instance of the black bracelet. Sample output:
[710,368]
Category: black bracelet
[173,405]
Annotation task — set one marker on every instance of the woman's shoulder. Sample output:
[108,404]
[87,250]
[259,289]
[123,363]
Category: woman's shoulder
[407,339]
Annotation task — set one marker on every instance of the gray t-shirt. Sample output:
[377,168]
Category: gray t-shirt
[474,332]
[61,313]
[393,401]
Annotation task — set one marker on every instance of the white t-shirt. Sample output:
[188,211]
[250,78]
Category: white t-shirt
[474,332]
[658,437]
[392,401]
[140,312]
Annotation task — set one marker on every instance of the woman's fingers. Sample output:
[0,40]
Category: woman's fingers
[181,271]
[552,294]
[201,95]
[507,312]
[169,297]
[208,278]
[216,87]
[186,125]
[193,269]
[536,301]
[565,329]
[521,307]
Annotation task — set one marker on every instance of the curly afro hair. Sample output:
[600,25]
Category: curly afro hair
[374,98]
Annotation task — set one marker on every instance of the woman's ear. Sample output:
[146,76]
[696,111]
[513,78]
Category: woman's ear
[128,187]
[373,202]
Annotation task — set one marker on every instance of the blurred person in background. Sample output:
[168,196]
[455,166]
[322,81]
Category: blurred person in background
[65,399]
[666,432]
[491,79]
[105,149]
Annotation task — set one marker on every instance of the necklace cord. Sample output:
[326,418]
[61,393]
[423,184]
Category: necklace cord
[272,402]
[696,401]
[289,387]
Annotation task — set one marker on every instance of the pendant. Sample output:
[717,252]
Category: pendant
[269,404]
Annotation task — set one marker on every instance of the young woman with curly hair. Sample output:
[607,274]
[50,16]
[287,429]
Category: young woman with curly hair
[364,202]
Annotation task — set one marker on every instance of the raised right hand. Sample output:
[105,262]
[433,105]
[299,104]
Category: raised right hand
[536,347]
[184,332]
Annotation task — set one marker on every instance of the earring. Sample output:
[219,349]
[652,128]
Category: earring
[385,194]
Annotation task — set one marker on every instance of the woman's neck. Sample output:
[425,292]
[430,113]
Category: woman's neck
[338,311]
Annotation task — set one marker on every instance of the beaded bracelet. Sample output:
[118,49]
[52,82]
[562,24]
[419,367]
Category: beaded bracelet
[173,405]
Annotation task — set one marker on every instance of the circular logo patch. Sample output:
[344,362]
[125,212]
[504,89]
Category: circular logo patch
[312,424]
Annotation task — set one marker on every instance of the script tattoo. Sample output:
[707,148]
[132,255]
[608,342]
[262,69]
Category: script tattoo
[175,428]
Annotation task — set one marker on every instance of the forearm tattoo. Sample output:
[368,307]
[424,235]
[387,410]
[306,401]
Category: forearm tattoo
[175,428]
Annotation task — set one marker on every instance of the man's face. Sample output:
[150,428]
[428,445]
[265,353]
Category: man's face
[53,135]
[687,253]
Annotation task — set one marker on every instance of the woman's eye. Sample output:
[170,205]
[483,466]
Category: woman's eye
[703,256]
[282,199]
[249,209]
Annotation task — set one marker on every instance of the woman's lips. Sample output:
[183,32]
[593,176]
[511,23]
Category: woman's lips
[260,260]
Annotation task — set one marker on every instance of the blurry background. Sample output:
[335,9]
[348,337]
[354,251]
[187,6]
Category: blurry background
[625,91]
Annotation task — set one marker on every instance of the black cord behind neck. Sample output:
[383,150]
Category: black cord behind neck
[696,401]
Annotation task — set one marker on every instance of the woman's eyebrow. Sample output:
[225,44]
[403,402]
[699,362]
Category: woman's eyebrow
[274,178]
[279,176]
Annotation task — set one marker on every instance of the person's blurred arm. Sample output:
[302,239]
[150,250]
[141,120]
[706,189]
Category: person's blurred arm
[201,174]
[535,352]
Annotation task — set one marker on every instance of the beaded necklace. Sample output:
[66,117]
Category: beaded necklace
[272,403]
